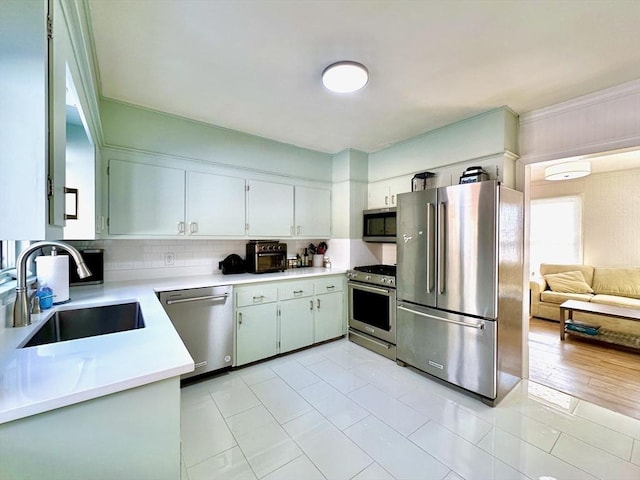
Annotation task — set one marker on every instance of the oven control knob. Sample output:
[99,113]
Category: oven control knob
[368,277]
[383,280]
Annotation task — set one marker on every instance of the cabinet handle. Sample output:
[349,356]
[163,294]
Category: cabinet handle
[298,231]
[393,199]
[74,214]
[330,287]
[311,305]
[298,292]
[180,228]
[386,199]
[318,303]
[239,318]
[258,298]
[193,227]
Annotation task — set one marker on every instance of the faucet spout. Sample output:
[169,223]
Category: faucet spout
[21,312]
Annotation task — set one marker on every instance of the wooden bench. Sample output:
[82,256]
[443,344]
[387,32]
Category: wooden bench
[609,336]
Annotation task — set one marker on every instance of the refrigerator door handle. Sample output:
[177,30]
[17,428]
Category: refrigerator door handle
[441,243]
[430,247]
[478,326]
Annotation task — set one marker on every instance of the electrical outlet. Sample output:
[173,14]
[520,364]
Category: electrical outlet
[169,258]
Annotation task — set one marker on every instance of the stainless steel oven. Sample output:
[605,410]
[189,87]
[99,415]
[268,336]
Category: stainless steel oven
[372,308]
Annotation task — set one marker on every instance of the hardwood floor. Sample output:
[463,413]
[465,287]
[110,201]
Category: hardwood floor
[594,372]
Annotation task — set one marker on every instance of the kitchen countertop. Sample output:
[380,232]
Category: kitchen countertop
[42,378]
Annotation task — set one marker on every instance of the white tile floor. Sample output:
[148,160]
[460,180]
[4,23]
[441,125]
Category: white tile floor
[339,411]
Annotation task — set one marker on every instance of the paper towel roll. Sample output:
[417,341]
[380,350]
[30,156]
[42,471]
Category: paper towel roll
[53,270]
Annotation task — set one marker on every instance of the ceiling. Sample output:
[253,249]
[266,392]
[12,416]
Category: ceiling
[255,66]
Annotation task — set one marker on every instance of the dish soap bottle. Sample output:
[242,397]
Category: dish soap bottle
[45,297]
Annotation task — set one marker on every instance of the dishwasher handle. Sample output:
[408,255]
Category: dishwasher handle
[198,299]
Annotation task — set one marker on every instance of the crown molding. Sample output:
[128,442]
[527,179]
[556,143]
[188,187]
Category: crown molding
[599,97]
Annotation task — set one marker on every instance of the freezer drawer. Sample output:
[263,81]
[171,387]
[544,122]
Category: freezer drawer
[203,317]
[458,349]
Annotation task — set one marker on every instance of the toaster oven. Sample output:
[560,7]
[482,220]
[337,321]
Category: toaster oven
[265,256]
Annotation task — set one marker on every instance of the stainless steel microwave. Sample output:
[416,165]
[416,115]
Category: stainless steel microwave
[379,225]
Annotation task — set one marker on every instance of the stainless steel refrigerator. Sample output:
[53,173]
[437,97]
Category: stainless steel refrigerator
[460,285]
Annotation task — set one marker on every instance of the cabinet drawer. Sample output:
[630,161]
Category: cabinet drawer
[329,285]
[288,290]
[255,295]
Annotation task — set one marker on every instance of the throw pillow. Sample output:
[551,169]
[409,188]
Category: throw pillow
[568,282]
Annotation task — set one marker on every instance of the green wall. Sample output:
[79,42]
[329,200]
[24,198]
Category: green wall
[131,127]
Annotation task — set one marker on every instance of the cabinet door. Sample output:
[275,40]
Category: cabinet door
[270,209]
[313,212]
[145,199]
[329,319]
[296,323]
[59,51]
[256,333]
[215,205]
[397,186]
[379,195]
[27,158]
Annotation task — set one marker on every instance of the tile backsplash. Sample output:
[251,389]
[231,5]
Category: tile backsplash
[139,259]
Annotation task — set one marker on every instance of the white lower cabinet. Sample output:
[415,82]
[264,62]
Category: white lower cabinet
[329,319]
[296,315]
[281,316]
[99,438]
[256,322]
[256,333]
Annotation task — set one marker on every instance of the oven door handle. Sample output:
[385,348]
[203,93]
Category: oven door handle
[478,326]
[371,289]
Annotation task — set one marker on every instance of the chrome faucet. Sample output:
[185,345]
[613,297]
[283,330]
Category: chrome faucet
[21,312]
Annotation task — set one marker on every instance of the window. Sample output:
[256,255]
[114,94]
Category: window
[556,231]
[8,256]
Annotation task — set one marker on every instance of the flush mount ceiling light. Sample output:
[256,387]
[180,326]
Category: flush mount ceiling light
[345,77]
[567,171]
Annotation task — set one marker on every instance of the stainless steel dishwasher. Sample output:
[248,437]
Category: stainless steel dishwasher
[203,318]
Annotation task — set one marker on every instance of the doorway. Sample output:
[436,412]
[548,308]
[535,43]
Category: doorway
[606,376]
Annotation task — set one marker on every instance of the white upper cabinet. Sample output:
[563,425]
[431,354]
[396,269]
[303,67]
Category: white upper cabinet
[32,120]
[385,193]
[38,38]
[280,210]
[215,205]
[149,199]
[312,212]
[269,209]
[145,199]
